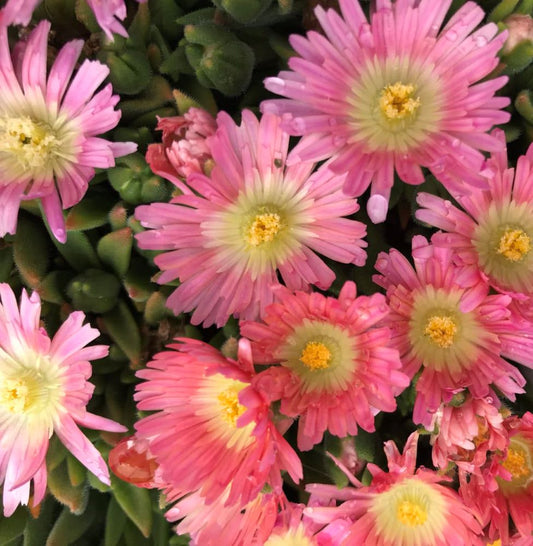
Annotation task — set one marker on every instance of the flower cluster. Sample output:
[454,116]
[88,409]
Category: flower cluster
[270,348]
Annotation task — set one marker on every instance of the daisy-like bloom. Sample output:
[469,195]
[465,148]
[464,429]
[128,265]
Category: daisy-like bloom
[455,336]
[184,149]
[109,13]
[216,523]
[393,95]
[210,430]
[504,489]
[250,220]
[17,12]
[400,507]
[493,236]
[336,370]
[49,127]
[44,388]
[463,434]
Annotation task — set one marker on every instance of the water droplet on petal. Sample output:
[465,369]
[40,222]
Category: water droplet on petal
[455,143]
[451,35]
[480,41]
[338,140]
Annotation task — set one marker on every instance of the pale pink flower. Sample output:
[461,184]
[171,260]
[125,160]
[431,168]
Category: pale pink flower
[336,369]
[463,434]
[17,12]
[492,237]
[44,389]
[394,95]
[503,492]
[184,149]
[400,507]
[252,219]
[210,430]
[457,337]
[109,13]
[49,127]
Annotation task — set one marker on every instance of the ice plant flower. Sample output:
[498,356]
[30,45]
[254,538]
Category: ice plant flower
[251,219]
[217,524]
[210,430]
[17,12]
[336,369]
[464,433]
[400,507]
[44,389]
[503,491]
[109,13]
[456,337]
[393,95]
[49,127]
[492,237]
[184,149]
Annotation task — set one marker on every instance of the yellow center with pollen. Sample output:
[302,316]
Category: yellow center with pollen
[495,543]
[514,244]
[263,228]
[315,356]
[14,395]
[230,406]
[396,101]
[516,462]
[441,330]
[411,513]
[31,143]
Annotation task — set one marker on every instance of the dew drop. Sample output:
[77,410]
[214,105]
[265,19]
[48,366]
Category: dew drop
[298,125]
[451,35]
[338,140]
[455,143]
[480,41]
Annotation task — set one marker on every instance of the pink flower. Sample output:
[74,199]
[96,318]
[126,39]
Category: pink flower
[463,434]
[455,336]
[504,488]
[49,127]
[336,367]
[252,219]
[108,13]
[399,507]
[210,431]
[17,12]
[217,524]
[44,388]
[184,149]
[492,237]
[393,95]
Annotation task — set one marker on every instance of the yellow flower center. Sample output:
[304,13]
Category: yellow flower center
[411,513]
[316,356]
[263,228]
[495,543]
[516,462]
[32,143]
[292,537]
[231,408]
[441,330]
[514,244]
[396,101]
[14,395]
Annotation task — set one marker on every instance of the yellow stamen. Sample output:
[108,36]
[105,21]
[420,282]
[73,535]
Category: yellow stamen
[263,229]
[32,143]
[14,395]
[441,330]
[516,462]
[514,244]
[316,356]
[411,513]
[231,408]
[495,543]
[396,101]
